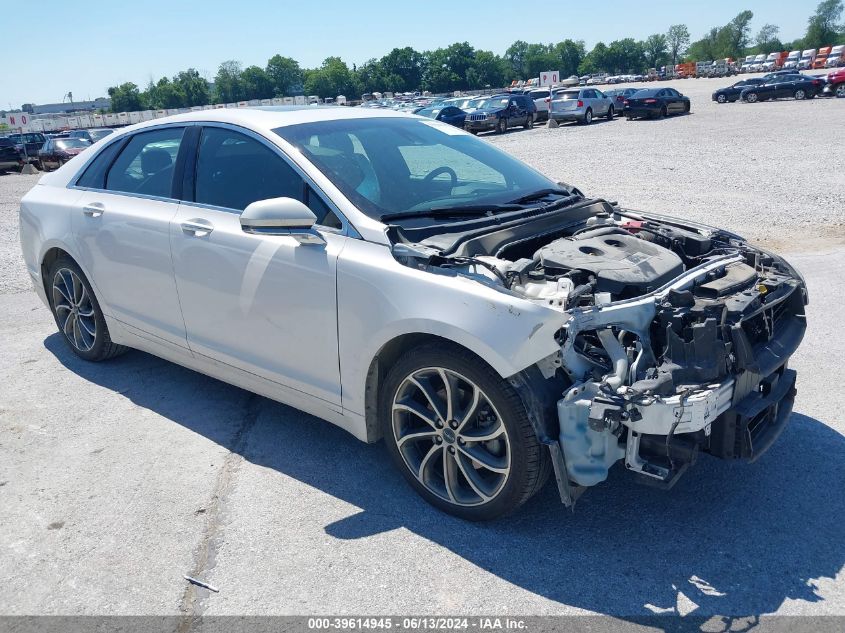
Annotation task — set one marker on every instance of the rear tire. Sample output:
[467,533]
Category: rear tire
[431,452]
[663,112]
[588,116]
[77,312]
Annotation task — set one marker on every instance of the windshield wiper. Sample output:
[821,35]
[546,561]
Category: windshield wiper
[441,212]
[542,193]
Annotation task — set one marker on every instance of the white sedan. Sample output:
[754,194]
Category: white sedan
[405,280]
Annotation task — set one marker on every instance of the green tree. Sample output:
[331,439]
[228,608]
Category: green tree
[515,56]
[126,98]
[165,94]
[285,75]
[596,60]
[705,48]
[489,69]
[569,54]
[228,85]
[734,37]
[655,50]
[624,56]
[329,80]
[677,38]
[193,86]
[823,28]
[256,83]
[404,68]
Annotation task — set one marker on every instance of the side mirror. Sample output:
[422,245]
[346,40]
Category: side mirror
[281,216]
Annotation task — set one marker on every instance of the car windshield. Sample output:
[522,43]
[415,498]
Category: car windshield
[71,143]
[98,134]
[406,165]
[431,113]
[498,102]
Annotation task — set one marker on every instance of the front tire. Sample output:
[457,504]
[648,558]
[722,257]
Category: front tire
[77,312]
[610,113]
[460,434]
[502,126]
[721,99]
[751,97]
[839,91]
[529,122]
[800,95]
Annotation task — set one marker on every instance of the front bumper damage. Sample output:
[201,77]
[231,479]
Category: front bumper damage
[721,387]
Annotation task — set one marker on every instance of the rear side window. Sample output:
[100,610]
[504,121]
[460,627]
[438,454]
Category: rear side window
[146,164]
[94,176]
[235,170]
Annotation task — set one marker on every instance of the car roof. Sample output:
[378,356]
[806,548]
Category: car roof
[266,118]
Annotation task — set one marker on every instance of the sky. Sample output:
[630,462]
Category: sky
[85,48]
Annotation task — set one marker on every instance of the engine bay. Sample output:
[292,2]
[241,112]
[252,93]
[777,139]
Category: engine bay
[675,338]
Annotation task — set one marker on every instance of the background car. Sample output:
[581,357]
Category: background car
[619,95]
[581,105]
[540,96]
[500,112]
[93,135]
[835,83]
[29,143]
[10,156]
[448,114]
[784,86]
[651,102]
[730,94]
[56,152]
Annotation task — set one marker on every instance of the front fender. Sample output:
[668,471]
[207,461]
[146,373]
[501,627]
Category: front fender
[380,299]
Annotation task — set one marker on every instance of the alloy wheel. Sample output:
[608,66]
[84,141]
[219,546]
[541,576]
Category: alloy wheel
[74,310]
[752,97]
[721,98]
[450,436]
[799,95]
[840,90]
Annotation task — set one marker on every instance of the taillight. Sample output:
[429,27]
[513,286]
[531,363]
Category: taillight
[580,103]
[651,100]
[548,99]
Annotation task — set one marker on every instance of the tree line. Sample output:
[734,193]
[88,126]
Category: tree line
[462,67]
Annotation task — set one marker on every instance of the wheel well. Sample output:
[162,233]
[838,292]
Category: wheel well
[381,364]
[49,258]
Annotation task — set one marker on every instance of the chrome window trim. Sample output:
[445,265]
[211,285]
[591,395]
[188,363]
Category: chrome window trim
[346,227]
[121,138]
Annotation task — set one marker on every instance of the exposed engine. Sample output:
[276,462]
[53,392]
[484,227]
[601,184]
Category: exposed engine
[674,340]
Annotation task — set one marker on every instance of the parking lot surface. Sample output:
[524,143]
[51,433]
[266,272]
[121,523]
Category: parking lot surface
[118,478]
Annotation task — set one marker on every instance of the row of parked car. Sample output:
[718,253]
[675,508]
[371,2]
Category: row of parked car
[782,84]
[46,151]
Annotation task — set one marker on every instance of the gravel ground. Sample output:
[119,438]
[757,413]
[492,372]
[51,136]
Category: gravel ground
[13,277]
[118,478]
[757,169]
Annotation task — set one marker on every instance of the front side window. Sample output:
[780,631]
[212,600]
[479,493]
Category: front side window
[146,164]
[393,165]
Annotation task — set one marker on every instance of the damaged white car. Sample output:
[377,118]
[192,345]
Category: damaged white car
[409,282]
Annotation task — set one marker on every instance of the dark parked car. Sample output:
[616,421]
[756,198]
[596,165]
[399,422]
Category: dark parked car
[92,135]
[731,94]
[619,95]
[29,142]
[500,112]
[56,152]
[785,86]
[10,155]
[448,114]
[651,102]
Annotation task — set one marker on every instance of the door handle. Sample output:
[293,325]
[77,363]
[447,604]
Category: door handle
[197,228]
[93,210]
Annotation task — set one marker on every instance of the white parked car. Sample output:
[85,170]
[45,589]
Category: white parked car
[406,281]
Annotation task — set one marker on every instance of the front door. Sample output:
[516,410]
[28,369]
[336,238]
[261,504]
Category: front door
[261,303]
[122,227]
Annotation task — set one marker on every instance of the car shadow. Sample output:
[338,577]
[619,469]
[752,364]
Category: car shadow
[729,540]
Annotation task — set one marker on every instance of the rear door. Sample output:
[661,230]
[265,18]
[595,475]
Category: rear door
[122,226]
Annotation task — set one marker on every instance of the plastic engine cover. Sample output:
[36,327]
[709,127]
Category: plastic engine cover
[622,264]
